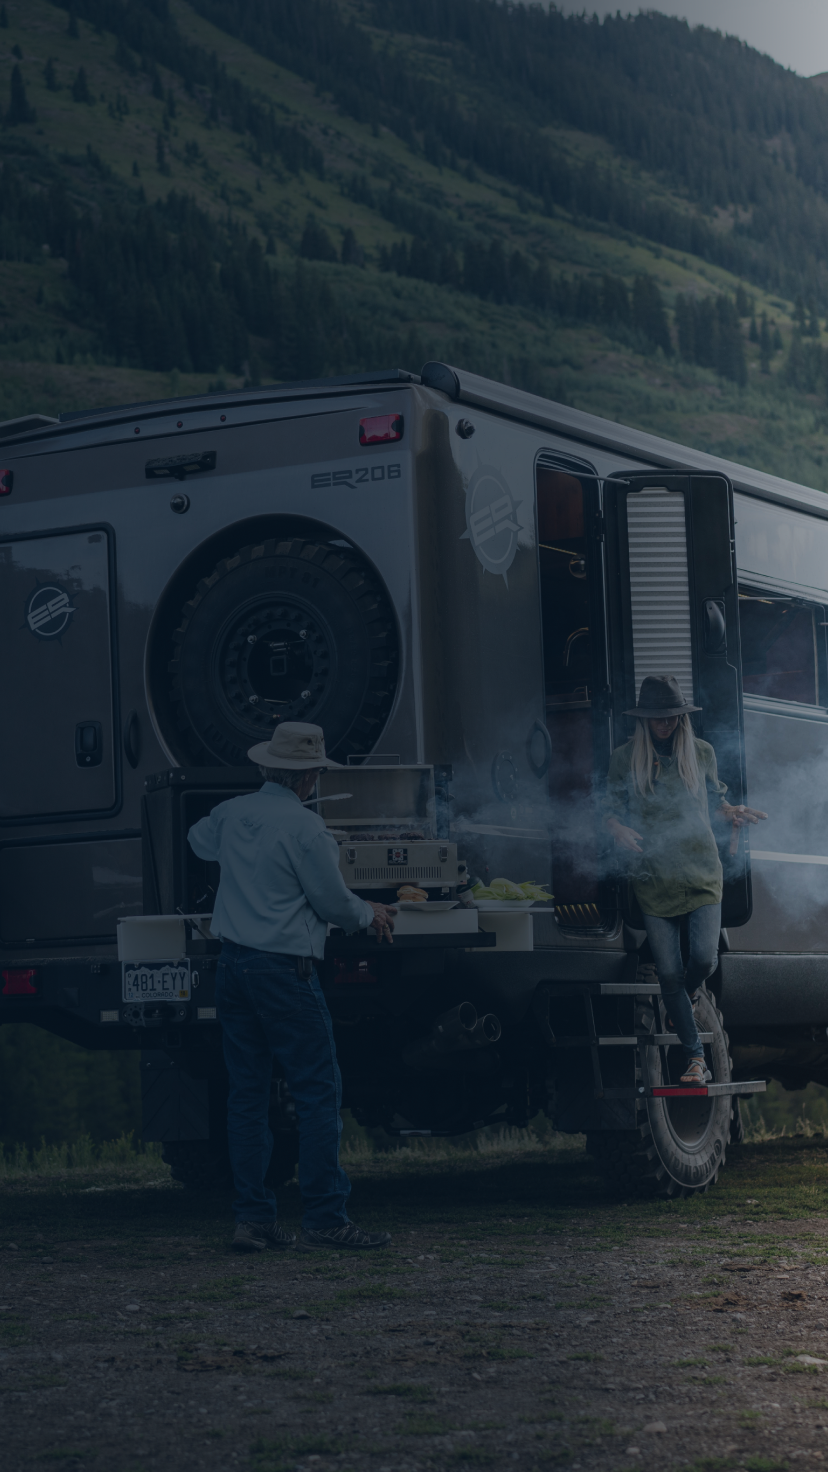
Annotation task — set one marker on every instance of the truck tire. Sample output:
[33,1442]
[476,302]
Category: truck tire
[204,1165]
[679,1145]
[296,629]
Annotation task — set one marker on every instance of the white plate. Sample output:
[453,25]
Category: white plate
[433,907]
[514,905]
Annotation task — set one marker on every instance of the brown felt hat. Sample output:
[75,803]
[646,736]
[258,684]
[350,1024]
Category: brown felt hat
[659,698]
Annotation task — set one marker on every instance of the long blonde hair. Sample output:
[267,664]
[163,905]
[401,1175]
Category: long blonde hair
[644,756]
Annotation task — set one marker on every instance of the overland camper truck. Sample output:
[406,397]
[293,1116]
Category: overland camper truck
[464,585]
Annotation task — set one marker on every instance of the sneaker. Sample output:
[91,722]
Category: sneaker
[256,1236]
[345,1236]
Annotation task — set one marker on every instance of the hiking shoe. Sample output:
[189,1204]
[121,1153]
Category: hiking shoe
[256,1236]
[345,1236]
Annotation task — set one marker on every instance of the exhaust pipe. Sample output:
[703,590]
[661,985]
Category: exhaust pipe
[457,1031]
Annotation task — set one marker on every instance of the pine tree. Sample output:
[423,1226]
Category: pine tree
[648,315]
[685,328]
[753,333]
[72,28]
[742,303]
[352,253]
[19,110]
[161,155]
[765,345]
[80,87]
[730,348]
[316,243]
[4,19]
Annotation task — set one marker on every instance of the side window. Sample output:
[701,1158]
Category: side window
[783,642]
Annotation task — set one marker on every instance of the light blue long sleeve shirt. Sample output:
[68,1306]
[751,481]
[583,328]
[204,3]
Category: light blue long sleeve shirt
[280,882]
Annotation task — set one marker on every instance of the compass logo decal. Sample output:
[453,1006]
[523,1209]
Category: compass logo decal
[48,611]
[491,523]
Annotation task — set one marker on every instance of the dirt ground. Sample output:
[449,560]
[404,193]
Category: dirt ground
[523,1317]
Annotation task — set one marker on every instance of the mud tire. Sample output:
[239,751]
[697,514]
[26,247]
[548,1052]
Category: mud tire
[678,1146]
[327,616]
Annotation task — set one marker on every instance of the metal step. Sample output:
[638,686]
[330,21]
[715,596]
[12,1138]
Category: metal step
[680,1091]
[649,1039]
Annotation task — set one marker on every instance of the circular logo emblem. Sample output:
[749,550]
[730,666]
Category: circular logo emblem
[48,611]
[491,524]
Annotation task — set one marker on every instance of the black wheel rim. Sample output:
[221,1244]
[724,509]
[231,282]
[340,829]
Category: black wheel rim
[274,658]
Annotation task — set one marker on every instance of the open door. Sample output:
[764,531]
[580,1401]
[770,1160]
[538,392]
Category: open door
[673,610]
[576,690]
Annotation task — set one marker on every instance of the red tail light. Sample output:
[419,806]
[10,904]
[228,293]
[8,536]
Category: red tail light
[7,481]
[381,430]
[19,983]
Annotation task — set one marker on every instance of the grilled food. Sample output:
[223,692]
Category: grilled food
[410,894]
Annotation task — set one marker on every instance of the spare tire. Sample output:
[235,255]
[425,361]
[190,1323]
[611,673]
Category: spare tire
[292,630]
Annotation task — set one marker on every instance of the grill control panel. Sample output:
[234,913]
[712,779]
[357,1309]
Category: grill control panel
[380,864]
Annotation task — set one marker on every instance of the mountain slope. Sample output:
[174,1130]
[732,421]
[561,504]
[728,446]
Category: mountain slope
[267,188]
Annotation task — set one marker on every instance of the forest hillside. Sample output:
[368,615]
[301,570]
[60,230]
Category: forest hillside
[630,215]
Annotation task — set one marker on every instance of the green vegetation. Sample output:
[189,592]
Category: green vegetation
[200,194]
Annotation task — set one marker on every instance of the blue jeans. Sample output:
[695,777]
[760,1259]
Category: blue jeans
[678,985]
[267,1012]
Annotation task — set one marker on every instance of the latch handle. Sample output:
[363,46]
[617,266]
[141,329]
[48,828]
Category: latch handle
[175,467]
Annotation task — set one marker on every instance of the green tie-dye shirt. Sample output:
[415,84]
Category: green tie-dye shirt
[680,869]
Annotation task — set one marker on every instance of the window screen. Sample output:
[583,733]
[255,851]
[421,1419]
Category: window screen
[780,644]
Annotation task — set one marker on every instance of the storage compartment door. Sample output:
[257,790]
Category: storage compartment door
[673,609]
[56,736]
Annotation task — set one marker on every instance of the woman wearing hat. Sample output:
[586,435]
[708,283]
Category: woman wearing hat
[661,789]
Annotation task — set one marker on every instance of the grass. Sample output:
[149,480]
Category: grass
[403,1391]
[425,1426]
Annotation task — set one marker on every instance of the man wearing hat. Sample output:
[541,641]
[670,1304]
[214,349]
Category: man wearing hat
[280,888]
[661,789]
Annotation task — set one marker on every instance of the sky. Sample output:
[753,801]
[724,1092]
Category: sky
[793,32]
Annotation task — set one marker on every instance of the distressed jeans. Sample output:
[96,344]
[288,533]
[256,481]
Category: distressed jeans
[678,985]
[267,1012]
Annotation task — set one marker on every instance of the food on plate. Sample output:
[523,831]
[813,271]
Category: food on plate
[535,891]
[506,889]
[411,895]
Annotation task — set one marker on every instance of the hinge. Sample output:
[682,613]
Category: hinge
[598,526]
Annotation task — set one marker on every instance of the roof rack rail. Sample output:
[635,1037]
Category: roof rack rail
[26,422]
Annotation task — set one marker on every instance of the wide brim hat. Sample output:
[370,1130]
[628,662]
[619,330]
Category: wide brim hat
[296,746]
[659,698]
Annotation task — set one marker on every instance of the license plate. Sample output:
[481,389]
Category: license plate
[155,981]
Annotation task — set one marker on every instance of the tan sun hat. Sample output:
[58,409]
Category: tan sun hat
[295,745]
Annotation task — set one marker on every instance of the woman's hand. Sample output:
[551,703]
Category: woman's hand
[739,815]
[625,837]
